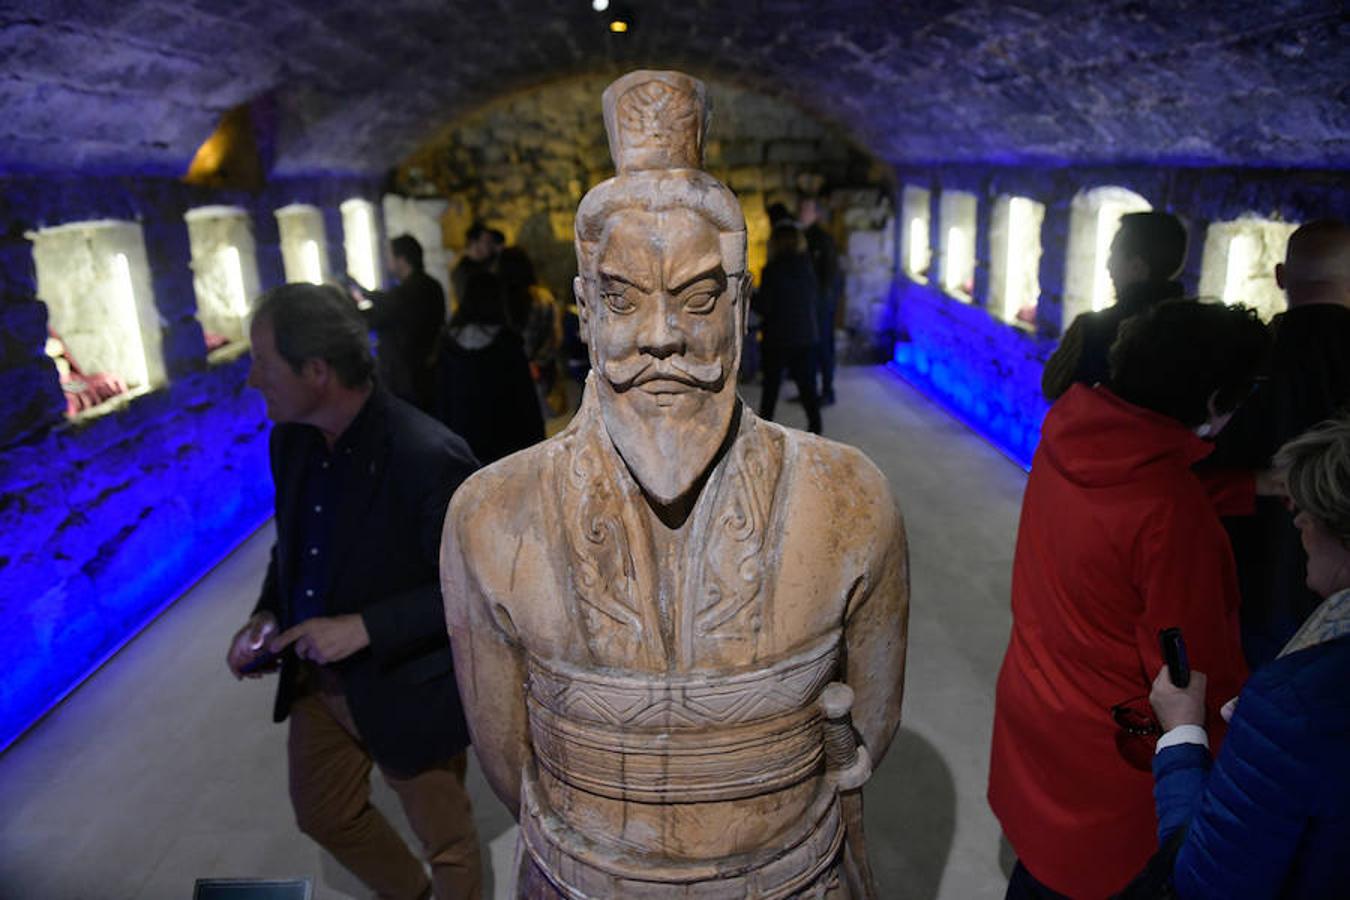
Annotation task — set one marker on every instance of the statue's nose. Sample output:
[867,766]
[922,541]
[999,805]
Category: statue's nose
[662,335]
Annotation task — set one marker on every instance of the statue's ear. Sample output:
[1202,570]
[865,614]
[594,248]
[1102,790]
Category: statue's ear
[583,307]
[743,288]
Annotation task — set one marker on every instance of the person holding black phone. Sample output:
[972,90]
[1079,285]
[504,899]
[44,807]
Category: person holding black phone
[1271,815]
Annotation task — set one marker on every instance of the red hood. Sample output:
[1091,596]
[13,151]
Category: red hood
[1095,439]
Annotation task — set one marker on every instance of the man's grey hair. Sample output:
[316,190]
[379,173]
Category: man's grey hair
[312,321]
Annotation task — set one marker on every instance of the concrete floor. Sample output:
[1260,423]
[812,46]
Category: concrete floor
[162,769]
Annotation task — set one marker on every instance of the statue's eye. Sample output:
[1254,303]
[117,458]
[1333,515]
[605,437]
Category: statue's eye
[702,301]
[618,301]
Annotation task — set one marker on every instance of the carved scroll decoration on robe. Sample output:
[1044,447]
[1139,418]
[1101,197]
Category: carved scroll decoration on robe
[723,599]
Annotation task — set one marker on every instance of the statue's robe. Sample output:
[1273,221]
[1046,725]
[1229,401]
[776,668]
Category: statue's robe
[647,703]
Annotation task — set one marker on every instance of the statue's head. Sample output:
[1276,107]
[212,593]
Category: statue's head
[662,290]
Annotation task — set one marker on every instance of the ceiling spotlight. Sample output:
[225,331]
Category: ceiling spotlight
[618,26]
[599,5]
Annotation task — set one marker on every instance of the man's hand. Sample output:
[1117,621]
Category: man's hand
[1178,706]
[249,643]
[324,640]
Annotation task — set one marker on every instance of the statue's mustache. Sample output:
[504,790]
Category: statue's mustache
[637,370]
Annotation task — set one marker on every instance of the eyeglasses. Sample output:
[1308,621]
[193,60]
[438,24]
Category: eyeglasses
[1135,717]
[1137,732]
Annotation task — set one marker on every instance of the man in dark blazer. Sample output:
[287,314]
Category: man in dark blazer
[350,611]
[407,320]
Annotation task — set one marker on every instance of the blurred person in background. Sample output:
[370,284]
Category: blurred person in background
[786,303]
[486,394]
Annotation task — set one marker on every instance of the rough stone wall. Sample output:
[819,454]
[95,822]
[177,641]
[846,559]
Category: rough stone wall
[988,371]
[357,84]
[107,519]
[524,163]
[106,524]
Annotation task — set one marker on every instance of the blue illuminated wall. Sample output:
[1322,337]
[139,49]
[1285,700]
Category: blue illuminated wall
[106,521]
[985,372]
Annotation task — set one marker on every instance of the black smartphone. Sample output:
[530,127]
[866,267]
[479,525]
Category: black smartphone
[1173,647]
[263,662]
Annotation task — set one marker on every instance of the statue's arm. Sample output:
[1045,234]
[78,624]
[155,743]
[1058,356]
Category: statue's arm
[876,631]
[489,661]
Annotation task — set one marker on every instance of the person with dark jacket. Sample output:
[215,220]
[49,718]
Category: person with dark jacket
[486,392]
[786,301]
[1270,817]
[350,612]
[1307,381]
[406,321]
[1146,254]
[1118,539]
[829,284]
[480,248]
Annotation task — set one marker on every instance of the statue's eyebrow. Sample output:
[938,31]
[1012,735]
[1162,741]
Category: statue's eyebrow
[713,272]
[623,279]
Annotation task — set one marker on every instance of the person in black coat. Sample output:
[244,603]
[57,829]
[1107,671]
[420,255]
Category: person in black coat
[486,393]
[350,613]
[406,321]
[829,283]
[1146,254]
[786,300]
[1307,381]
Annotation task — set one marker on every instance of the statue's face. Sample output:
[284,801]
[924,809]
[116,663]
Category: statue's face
[664,320]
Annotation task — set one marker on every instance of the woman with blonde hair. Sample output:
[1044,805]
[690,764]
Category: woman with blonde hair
[1271,817]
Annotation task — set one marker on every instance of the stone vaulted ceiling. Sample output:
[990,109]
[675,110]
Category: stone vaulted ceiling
[354,85]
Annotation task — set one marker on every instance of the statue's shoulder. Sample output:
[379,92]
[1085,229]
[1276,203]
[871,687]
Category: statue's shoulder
[828,465]
[508,490]
[838,479]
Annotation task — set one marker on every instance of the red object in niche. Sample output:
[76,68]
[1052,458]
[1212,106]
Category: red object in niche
[82,391]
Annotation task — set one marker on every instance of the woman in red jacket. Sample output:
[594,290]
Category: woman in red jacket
[1118,539]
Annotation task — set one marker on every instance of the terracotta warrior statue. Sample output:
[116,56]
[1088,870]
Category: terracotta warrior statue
[665,618]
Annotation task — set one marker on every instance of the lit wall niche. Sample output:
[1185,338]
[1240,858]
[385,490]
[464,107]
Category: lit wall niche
[361,240]
[1094,218]
[1015,259]
[95,280]
[304,244]
[1239,260]
[916,209]
[224,271]
[956,215]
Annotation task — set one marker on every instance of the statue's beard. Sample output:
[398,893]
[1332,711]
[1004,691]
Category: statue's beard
[667,418]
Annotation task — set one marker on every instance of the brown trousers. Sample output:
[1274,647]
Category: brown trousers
[330,792]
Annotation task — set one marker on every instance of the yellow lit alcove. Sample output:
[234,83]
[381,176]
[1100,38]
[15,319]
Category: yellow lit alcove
[95,280]
[224,271]
[1015,259]
[956,215]
[304,243]
[915,208]
[361,241]
[1239,260]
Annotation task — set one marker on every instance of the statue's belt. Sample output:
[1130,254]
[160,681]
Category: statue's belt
[686,738]
[580,868]
[682,738]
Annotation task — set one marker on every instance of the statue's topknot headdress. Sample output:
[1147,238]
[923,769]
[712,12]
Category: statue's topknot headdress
[656,123]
